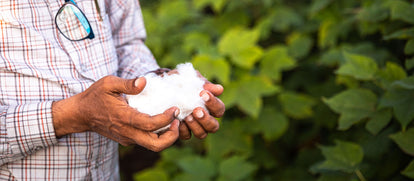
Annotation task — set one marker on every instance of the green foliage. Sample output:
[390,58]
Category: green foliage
[298,75]
[353,105]
[345,156]
[409,171]
[405,140]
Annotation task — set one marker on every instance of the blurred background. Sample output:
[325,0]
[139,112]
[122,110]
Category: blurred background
[314,89]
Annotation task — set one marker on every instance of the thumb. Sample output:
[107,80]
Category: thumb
[129,86]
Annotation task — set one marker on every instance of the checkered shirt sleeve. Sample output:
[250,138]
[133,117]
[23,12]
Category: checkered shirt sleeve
[38,65]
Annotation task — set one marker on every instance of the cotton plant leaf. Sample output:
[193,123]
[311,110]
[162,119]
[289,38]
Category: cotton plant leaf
[402,10]
[401,99]
[213,68]
[240,45]
[409,47]
[353,105]
[235,164]
[409,170]
[392,72]
[298,106]
[318,5]
[151,175]
[198,166]
[276,60]
[299,45]
[344,156]
[405,140]
[378,121]
[272,124]
[231,138]
[358,66]
[409,63]
[247,93]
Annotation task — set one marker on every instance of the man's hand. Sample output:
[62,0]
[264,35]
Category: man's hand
[200,122]
[102,108]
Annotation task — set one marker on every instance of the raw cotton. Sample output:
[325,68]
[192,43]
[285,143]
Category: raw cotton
[163,92]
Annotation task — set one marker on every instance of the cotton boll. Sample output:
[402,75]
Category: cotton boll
[163,92]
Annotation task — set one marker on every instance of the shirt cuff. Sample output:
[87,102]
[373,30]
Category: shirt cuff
[30,127]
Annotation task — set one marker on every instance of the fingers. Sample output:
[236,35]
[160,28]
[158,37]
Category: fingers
[146,122]
[213,104]
[201,123]
[208,122]
[155,142]
[149,140]
[120,85]
[195,127]
[185,133]
[216,89]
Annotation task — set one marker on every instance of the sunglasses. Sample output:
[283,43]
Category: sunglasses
[72,22]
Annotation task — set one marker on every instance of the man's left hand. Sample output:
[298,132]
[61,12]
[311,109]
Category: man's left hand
[201,122]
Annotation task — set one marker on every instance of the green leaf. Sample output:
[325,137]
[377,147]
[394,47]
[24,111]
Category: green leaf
[151,175]
[196,42]
[299,45]
[284,18]
[229,167]
[353,105]
[392,72]
[409,47]
[405,140]
[173,13]
[348,81]
[406,33]
[344,156]
[247,93]
[407,83]
[217,4]
[328,33]
[248,57]
[189,177]
[332,57]
[230,138]
[174,154]
[275,60]
[409,170]
[271,123]
[237,39]
[212,68]
[298,106]
[378,121]
[402,102]
[196,165]
[318,5]
[402,10]
[373,13]
[409,63]
[240,44]
[358,66]
[227,21]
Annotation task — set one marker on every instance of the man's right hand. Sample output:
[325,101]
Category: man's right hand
[102,108]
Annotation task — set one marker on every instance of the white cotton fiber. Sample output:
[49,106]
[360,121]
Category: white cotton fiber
[163,92]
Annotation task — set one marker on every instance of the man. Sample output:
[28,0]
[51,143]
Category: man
[63,110]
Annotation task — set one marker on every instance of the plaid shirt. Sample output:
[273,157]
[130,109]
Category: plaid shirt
[38,65]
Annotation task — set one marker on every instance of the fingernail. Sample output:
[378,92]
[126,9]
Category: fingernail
[190,118]
[176,112]
[137,82]
[199,114]
[205,97]
[219,86]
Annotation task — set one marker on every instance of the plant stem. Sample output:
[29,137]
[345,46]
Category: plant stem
[360,176]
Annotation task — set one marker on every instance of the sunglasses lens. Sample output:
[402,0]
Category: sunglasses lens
[72,23]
